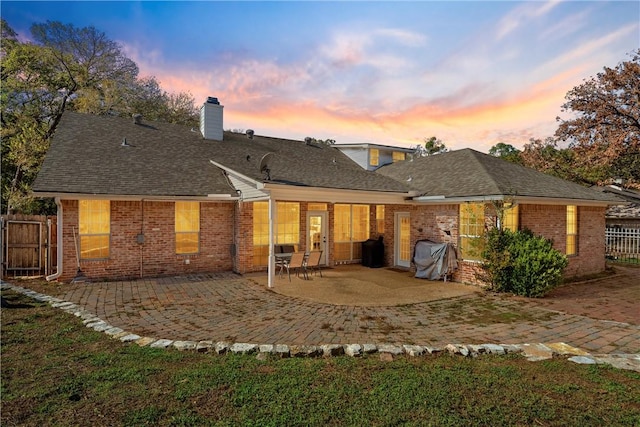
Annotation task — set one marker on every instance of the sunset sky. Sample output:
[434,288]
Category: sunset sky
[471,73]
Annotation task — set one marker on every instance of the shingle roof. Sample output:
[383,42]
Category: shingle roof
[87,157]
[469,173]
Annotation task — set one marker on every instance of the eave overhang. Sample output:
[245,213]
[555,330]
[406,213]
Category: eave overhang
[136,197]
[443,200]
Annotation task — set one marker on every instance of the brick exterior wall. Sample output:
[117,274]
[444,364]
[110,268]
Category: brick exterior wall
[550,221]
[156,256]
[226,237]
[430,222]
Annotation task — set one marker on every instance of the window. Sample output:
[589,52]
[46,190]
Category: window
[288,227]
[380,219]
[317,207]
[351,228]
[471,229]
[572,230]
[187,227]
[94,221]
[260,233]
[374,157]
[510,217]
[399,156]
[286,231]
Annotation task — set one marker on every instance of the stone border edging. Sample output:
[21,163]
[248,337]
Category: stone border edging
[532,352]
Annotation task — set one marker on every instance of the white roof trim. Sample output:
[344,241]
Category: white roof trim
[336,195]
[238,174]
[365,145]
[126,197]
[518,199]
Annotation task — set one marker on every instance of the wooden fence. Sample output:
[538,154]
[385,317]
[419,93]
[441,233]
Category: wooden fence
[28,245]
[623,243]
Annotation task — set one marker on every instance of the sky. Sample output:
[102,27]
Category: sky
[471,73]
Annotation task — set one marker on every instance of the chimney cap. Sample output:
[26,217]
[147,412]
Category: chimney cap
[212,100]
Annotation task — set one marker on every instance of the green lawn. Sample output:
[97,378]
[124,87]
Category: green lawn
[57,372]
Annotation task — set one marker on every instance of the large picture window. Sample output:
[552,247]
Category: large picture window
[351,228]
[287,229]
[187,227]
[471,230]
[572,230]
[260,234]
[94,221]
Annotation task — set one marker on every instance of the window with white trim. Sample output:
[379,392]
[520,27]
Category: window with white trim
[187,227]
[572,230]
[94,228]
[471,224]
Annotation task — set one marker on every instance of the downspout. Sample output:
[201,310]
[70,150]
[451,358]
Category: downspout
[59,244]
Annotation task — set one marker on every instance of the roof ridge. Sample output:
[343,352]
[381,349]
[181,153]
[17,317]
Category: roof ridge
[477,155]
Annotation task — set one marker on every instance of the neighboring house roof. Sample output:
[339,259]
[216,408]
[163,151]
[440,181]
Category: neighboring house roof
[470,174]
[630,202]
[87,156]
[378,146]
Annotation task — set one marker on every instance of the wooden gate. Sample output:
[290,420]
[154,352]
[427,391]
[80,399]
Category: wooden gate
[28,245]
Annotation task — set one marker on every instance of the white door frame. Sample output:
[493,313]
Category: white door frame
[324,240]
[397,240]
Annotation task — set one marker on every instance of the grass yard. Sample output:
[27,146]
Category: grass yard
[57,372]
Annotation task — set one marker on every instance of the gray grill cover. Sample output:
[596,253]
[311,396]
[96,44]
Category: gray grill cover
[434,260]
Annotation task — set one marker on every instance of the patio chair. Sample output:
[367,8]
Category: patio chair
[297,263]
[313,261]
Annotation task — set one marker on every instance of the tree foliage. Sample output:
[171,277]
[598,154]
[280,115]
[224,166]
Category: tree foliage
[604,132]
[507,152]
[430,147]
[67,68]
[545,156]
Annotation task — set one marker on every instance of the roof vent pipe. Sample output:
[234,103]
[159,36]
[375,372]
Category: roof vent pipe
[250,133]
[137,119]
[308,140]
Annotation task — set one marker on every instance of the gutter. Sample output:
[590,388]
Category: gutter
[536,200]
[59,244]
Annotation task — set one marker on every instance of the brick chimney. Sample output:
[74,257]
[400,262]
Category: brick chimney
[211,119]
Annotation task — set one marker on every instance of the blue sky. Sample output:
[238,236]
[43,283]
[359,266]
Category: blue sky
[471,73]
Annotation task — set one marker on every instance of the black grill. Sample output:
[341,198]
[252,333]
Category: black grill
[373,253]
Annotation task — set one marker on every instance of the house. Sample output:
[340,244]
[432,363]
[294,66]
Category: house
[627,213]
[373,156]
[463,192]
[138,199]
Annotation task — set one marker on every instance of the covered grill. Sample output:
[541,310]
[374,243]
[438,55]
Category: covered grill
[434,261]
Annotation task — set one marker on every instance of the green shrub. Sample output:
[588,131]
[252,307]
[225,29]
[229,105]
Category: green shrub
[521,263]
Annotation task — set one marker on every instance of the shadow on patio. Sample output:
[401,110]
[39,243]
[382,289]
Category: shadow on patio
[362,286]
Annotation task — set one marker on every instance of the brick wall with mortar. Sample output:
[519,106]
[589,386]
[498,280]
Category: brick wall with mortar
[227,237]
[156,256]
[430,222]
[550,221]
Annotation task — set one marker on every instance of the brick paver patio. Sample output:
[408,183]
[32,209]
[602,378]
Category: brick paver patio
[229,307]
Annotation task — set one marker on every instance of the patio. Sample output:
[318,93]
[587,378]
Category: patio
[355,285]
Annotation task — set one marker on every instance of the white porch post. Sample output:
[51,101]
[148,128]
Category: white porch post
[272,259]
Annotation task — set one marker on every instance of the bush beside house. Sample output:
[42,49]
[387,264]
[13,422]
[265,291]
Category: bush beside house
[521,263]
